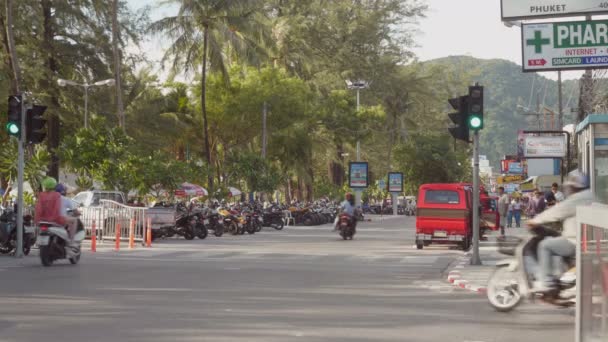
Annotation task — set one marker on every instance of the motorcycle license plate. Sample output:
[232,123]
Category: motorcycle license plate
[440,233]
[42,240]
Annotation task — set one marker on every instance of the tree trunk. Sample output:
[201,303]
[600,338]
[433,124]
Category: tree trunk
[204,106]
[117,65]
[336,169]
[309,185]
[288,192]
[51,63]
[10,40]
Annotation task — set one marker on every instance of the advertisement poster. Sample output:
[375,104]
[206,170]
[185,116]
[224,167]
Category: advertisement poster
[395,182]
[545,147]
[358,175]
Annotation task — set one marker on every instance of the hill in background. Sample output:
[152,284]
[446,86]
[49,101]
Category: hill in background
[506,87]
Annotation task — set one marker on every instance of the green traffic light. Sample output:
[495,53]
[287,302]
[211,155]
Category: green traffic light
[475,122]
[12,128]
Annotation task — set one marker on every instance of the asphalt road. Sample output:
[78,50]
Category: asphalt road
[299,284]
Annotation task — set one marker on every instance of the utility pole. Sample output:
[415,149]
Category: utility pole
[20,171]
[264,116]
[358,191]
[560,117]
[475,260]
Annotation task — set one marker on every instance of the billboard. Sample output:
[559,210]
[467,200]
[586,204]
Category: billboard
[512,167]
[572,45]
[358,175]
[395,182]
[527,9]
[545,147]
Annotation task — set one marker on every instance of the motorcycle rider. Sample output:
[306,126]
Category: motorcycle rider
[347,207]
[67,204]
[48,207]
[577,194]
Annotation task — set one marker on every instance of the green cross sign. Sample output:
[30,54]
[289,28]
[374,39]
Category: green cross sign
[538,42]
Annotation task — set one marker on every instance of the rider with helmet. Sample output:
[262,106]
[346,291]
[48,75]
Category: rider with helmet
[48,207]
[578,193]
[67,204]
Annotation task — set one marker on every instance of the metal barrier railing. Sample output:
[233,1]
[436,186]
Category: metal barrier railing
[111,215]
[592,274]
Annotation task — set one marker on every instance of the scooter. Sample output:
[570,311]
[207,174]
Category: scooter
[512,280]
[347,226]
[8,233]
[53,241]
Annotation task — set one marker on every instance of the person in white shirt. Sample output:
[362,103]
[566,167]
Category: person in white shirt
[516,207]
[577,187]
[559,196]
[67,204]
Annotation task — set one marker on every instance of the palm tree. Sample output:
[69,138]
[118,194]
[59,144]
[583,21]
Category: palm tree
[227,28]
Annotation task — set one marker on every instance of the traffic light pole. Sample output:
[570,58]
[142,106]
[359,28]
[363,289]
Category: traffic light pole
[20,169]
[475,260]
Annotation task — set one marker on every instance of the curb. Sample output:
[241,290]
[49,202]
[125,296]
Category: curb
[455,277]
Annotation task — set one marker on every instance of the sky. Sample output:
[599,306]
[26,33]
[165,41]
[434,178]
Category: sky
[451,27]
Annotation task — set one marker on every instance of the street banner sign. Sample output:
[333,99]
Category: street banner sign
[529,9]
[358,175]
[545,147]
[509,179]
[395,182]
[565,45]
[512,167]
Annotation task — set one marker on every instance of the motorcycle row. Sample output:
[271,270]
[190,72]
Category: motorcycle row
[193,220]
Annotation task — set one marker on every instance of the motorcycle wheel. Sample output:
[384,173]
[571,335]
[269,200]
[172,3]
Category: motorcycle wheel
[258,227]
[219,230]
[5,249]
[201,231]
[234,228]
[45,256]
[170,232]
[277,224]
[189,233]
[76,258]
[503,293]
[250,228]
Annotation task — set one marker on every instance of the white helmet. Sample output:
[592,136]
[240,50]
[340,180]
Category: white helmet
[577,179]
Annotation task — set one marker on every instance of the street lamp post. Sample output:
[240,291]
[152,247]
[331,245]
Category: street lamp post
[358,85]
[109,82]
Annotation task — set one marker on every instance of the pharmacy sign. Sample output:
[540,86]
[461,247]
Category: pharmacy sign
[565,45]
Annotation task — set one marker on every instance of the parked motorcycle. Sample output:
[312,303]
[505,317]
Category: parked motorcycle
[185,223]
[8,232]
[53,241]
[213,221]
[513,278]
[273,217]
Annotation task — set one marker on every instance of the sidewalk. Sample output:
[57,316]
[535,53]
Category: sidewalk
[474,278]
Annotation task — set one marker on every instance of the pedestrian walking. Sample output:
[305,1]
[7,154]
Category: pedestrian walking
[540,203]
[517,206]
[503,208]
[530,206]
[510,214]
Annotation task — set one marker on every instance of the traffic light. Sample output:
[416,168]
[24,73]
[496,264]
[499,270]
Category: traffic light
[475,107]
[460,130]
[34,125]
[13,125]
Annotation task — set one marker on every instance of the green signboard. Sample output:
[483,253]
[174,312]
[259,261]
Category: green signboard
[565,45]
